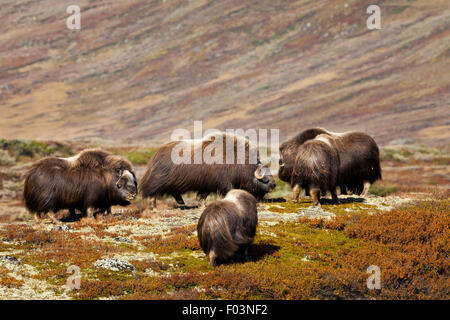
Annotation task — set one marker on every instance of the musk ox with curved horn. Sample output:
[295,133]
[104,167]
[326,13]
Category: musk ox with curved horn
[93,179]
[215,164]
[359,158]
[227,227]
[316,168]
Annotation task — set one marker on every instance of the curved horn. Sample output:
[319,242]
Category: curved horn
[257,175]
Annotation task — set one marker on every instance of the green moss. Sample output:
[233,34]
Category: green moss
[398,10]
[30,148]
[136,156]
[382,190]
[442,161]
[281,190]
[189,261]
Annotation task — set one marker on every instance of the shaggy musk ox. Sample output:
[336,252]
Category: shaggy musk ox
[227,227]
[359,158]
[93,179]
[316,168]
[233,168]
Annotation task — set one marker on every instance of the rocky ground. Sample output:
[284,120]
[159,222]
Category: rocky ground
[124,236]
[300,252]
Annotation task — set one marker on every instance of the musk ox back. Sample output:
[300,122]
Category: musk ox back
[227,227]
[93,179]
[316,168]
[206,168]
[359,158]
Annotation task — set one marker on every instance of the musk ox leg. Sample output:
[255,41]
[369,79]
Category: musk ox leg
[202,203]
[212,258]
[153,202]
[315,194]
[296,190]
[246,258]
[178,198]
[202,200]
[52,216]
[37,216]
[334,197]
[72,214]
[91,213]
[307,193]
[365,192]
[343,189]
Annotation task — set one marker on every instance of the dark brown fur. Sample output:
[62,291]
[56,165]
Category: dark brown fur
[316,168]
[94,179]
[227,227]
[359,157]
[163,177]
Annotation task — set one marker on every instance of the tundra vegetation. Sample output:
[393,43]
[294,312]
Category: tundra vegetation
[297,253]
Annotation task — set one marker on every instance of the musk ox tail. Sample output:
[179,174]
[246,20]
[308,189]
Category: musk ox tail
[218,232]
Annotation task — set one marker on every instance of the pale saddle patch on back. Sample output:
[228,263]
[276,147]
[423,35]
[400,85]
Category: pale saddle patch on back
[233,197]
[325,139]
[71,160]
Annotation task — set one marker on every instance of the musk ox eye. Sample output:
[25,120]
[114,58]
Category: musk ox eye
[119,185]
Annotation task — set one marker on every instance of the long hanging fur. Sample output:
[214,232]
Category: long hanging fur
[317,165]
[227,227]
[163,177]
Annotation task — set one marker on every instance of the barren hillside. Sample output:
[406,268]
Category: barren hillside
[139,69]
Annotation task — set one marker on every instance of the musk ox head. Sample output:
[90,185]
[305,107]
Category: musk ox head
[263,181]
[125,187]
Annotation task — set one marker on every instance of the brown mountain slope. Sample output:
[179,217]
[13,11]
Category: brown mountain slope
[139,69]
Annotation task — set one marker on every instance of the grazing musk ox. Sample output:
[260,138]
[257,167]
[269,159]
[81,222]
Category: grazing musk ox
[316,168]
[233,168]
[227,227]
[93,179]
[359,158]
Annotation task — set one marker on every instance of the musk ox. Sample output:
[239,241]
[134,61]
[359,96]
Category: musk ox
[93,179]
[316,168]
[359,158]
[215,164]
[227,227]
